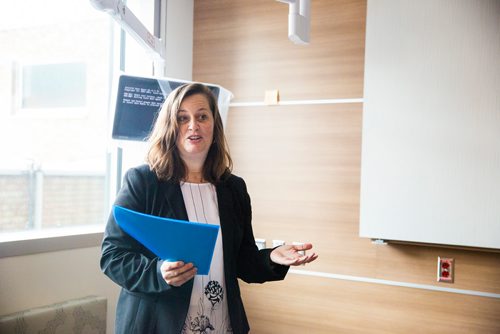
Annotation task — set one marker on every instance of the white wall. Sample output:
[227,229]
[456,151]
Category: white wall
[179,39]
[41,279]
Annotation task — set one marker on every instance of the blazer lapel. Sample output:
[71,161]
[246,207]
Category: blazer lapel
[175,207]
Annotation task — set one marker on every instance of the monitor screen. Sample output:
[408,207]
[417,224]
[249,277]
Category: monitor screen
[138,102]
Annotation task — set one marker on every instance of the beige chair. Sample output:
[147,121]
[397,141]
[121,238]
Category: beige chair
[80,316]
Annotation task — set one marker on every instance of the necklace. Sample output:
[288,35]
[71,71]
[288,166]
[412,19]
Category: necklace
[194,203]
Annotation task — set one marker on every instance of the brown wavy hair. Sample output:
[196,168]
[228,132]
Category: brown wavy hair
[163,155]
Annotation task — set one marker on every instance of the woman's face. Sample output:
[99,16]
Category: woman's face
[196,128]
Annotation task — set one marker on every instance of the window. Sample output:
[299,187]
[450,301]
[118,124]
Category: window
[57,163]
[57,57]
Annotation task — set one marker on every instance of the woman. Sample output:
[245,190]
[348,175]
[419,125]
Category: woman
[188,176]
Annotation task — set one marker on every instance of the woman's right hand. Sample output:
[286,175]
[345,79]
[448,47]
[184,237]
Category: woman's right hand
[177,273]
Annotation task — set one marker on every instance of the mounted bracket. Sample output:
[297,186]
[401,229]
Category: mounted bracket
[299,20]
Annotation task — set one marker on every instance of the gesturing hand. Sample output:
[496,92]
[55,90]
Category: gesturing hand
[177,273]
[288,255]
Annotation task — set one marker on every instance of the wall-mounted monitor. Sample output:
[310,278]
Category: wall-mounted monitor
[139,100]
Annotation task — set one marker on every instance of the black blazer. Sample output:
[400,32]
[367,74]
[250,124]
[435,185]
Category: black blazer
[147,304]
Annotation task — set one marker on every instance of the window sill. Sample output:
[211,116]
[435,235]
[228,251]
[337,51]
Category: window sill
[50,240]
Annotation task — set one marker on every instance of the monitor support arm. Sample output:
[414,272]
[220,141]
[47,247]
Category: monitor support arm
[132,25]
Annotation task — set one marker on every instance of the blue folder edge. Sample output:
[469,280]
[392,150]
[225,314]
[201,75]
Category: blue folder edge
[171,239]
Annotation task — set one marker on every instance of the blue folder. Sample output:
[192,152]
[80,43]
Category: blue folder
[171,239]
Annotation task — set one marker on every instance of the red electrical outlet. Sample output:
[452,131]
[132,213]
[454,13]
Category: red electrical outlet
[445,271]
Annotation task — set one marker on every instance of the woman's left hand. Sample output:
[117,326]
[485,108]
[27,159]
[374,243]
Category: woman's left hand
[288,255]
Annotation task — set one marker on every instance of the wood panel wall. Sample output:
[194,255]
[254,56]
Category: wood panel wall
[302,167]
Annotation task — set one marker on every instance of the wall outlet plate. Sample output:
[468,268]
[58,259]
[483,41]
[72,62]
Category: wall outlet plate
[261,243]
[445,269]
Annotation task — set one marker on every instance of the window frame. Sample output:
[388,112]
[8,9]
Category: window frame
[50,240]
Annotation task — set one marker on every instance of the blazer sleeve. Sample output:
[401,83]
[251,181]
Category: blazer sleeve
[123,259]
[253,265]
